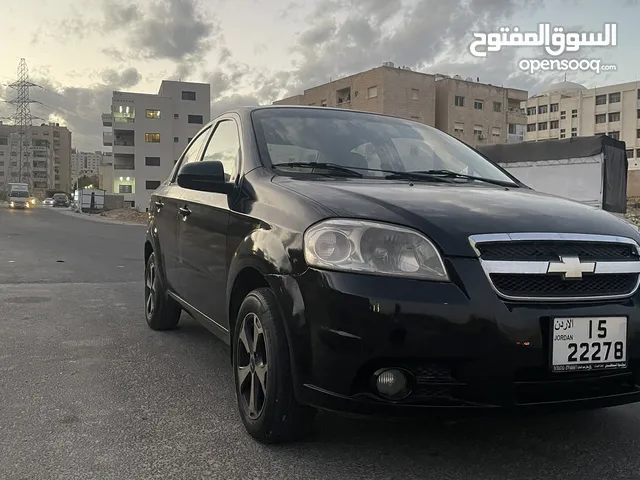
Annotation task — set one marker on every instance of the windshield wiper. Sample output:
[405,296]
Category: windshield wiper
[450,173]
[333,167]
[393,175]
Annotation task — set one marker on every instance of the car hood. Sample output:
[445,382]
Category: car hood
[449,214]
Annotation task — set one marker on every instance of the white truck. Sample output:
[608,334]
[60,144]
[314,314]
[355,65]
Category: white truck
[19,195]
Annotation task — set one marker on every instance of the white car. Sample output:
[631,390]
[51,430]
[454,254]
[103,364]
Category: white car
[48,202]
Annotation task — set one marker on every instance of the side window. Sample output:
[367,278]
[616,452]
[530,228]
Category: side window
[192,152]
[224,147]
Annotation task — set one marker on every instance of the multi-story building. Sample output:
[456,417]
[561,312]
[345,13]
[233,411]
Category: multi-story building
[475,112]
[147,133]
[46,165]
[85,164]
[479,113]
[568,109]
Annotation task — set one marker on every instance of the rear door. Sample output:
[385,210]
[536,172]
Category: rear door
[164,205]
[204,228]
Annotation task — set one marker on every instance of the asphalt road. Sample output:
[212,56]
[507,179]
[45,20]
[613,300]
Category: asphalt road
[87,391]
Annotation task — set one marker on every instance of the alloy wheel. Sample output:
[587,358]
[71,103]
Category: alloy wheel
[150,288]
[252,368]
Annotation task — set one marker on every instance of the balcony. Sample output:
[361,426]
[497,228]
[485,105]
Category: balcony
[107,120]
[123,162]
[516,116]
[107,139]
[515,138]
[123,142]
[124,115]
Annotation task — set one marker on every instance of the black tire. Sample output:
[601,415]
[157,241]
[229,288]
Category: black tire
[280,417]
[160,310]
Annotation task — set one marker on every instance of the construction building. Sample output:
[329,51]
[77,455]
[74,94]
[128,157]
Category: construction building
[49,155]
[569,109]
[475,112]
[146,134]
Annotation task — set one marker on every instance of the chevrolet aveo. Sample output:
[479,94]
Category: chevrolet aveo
[366,264]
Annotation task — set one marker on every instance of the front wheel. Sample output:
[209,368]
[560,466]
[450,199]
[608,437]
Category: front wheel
[262,371]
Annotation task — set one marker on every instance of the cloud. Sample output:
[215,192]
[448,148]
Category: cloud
[129,77]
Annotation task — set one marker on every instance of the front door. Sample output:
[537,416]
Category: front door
[164,208]
[204,229]
[192,153]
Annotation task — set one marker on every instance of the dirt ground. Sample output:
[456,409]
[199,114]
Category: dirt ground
[126,215]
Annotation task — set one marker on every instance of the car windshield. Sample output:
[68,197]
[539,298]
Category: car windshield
[20,194]
[60,197]
[372,145]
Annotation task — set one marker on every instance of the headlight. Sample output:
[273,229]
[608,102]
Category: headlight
[372,247]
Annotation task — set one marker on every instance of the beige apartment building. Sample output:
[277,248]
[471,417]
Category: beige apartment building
[476,113]
[50,159]
[568,109]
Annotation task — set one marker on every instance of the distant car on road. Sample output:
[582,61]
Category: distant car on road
[60,200]
[368,264]
[48,202]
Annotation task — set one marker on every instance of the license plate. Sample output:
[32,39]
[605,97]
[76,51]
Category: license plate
[588,343]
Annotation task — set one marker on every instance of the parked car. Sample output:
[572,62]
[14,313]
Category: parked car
[48,202]
[60,200]
[373,265]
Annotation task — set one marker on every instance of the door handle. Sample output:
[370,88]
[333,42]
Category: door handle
[184,211]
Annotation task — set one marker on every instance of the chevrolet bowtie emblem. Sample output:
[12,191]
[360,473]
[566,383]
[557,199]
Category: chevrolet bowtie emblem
[571,267]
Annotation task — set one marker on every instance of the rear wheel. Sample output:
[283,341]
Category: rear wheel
[262,371]
[161,311]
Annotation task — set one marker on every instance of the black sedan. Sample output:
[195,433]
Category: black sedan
[367,264]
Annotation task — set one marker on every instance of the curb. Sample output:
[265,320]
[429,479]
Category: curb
[98,218]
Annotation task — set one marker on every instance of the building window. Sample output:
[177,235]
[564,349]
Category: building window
[531,127]
[574,113]
[542,109]
[2,154]
[176,116]
[542,126]
[496,132]
[152,184]
[614,135]
[152,161]
[630,153]
[601,118]
[563,115]
[372,92]
[4,141]
[188,95]
[195,119]
[497,106]
[478,130]
[155,114]
[415,94]
[478,104]
[554,124]
[125,188]
[531,111]
[614,97]
[563,135]
[176,139]
[601,99]
[152,137]
[637,152]
[638,133]
[459,101]
[554,107]
[614,117]
[638,114]
[415,118]
[458,128]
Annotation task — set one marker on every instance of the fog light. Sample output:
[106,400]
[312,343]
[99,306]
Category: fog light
[392,384]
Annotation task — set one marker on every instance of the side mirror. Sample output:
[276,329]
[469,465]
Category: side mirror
[205,176]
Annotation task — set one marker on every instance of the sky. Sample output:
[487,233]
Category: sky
[257,51]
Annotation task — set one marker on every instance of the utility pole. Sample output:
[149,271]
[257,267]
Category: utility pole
[22,119]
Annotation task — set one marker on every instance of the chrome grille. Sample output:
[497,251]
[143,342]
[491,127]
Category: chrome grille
[561,267]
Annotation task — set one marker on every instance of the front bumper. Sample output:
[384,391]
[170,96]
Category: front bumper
[467,348]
